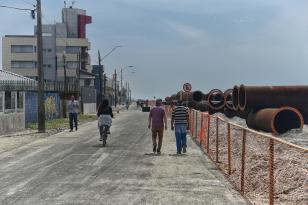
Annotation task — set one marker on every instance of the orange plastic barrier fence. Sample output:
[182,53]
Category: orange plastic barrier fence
[265,169]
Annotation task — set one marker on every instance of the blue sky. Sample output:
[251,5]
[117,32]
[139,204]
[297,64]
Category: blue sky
[209,43]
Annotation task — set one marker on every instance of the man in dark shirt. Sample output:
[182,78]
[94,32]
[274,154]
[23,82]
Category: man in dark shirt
[157,119]
[73,108]
[180,121]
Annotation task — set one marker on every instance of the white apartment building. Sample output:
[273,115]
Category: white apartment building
[63,43]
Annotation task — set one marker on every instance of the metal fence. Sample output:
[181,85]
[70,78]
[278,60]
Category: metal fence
[265,169]
[70,85]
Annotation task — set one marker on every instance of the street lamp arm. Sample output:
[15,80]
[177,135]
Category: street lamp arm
[111,51]
[129,66]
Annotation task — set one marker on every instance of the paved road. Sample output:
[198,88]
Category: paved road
[73,168]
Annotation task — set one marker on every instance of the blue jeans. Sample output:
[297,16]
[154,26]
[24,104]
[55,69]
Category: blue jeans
[73,118]
[180,136]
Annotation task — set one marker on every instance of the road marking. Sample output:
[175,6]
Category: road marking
[26,157]
[99,161]
[19,186]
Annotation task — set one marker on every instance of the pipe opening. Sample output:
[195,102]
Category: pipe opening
[197,96]
[216,99]
[286,120]
[235,97]
[242,98]
[228,99]
[229,103]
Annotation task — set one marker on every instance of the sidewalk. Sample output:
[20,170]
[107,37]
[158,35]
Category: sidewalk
[189,178]
[71,168]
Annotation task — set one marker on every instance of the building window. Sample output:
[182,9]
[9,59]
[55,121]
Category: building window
[9,100]
[20,100]
[87,82]
[73,49]
[46,34]
[23,49]
[23,64]
[60,49]
[72,64]
[47,49]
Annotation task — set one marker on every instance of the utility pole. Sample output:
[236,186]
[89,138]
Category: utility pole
[121,87]
[56,69]
[40,72]
[100,75]
[64,69]
[126,92]
[115,88]
[128,89]
[78,75]
[105,82]
[130,96]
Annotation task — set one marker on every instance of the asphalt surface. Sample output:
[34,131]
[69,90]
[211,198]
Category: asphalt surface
[73,168]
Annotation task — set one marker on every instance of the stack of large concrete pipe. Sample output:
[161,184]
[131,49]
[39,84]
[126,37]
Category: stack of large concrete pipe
[275,109]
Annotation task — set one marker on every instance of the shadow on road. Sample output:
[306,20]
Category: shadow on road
[178,155]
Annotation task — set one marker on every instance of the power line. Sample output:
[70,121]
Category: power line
[16,8]
[32,4]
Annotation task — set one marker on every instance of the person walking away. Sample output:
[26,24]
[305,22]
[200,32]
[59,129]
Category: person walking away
[157,120]
[127,105]
[73,108]
[180,123]
[105,115]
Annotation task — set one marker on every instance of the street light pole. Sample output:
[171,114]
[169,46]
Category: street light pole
[100,75]
[121,86]
[130,66]
[115,87]
[40,71]
[64,70]
[113,49]
[101,72]
[128,89]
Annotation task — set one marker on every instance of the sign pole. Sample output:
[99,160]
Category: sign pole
[187,88]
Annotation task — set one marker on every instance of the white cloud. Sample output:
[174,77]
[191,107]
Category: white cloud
[188,32]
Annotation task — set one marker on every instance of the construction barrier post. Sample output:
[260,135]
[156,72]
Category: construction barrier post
[229,149]
[201,129]
[208,134]
[243,161]
[196,125]
[217,123]
[193,123]
[271,172]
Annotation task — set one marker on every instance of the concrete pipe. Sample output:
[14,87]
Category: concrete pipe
[242,114]
[199,96]
[275,120]
[258,97]
[201,106]
[189,104]
[229,113]
[235,97]
[228,99]
[273,96]
[216,99]
[173,97]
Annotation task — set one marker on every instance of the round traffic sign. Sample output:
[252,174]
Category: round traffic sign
[187,87]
